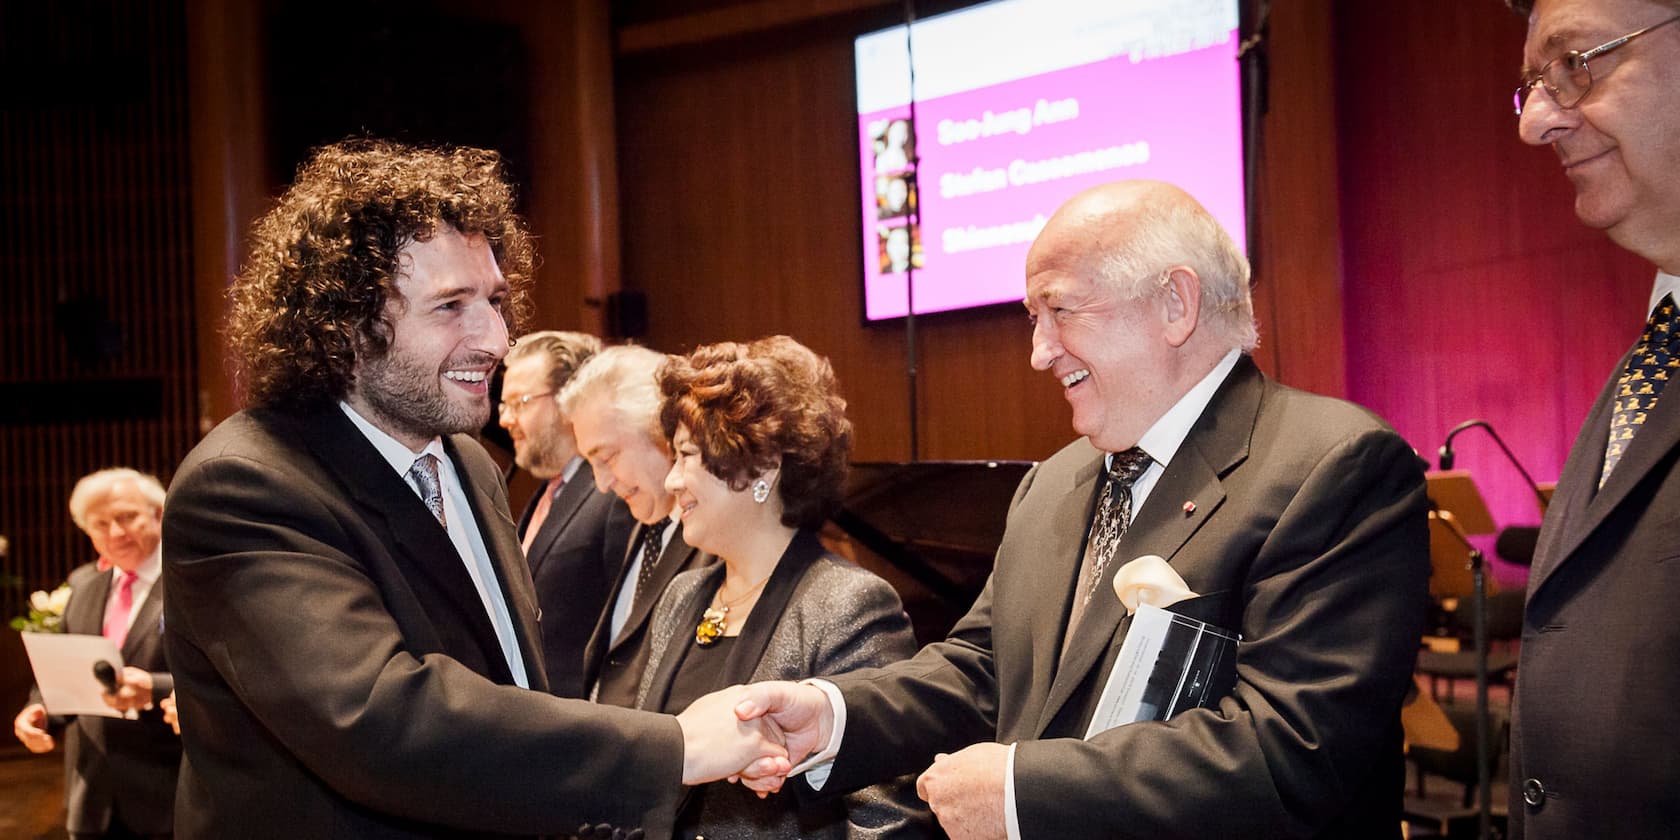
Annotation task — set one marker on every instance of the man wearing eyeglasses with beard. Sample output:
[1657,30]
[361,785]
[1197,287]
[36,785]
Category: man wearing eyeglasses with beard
[1591,752]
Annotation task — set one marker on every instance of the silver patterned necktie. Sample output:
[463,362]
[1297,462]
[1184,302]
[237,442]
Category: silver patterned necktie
[425,475]
[1113,517]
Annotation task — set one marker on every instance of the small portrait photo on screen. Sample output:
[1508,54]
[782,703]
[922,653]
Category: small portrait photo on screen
[895,196]
[900,248]
[894,146]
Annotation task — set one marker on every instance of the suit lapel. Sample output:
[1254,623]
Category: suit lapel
[565,507]
[1654,441]
[1217,442]
[420,542]
[86,611]
[689,614]
[1060,541]
[673,559]
[804,550]
[502,544]
[147,626]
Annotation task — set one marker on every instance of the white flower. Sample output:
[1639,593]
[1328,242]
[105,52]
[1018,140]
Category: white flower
[40,601]
[59,600]
[1149,580]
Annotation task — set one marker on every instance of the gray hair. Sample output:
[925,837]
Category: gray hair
[624,376]
[1167,234]
[565,352]
[95,486]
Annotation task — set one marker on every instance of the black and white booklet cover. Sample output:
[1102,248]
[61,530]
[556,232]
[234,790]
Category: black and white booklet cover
[1169,662]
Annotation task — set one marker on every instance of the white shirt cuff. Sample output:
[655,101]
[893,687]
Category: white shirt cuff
[817,766]
[1011,819]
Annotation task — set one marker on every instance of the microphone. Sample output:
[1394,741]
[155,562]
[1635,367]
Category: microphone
[1517,543]
[1446,455]
[106,673]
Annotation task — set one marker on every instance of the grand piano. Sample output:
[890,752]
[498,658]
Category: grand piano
[931,528]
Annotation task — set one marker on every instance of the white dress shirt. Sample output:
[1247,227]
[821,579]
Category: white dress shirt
[463,532]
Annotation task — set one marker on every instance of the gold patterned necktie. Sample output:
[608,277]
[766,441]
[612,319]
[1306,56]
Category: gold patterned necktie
[1654,359]
[425,475]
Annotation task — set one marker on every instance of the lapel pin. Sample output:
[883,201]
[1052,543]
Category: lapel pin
[1189,508]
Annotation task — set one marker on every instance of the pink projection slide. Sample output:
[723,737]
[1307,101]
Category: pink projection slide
[993,163]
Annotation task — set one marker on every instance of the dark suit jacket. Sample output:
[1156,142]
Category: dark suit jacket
[113,764]
[574,559]
[338,674]
[1308,529]
[818,615]
[1599,672]
[613,667]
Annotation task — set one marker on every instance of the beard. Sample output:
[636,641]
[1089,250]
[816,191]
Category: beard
[411,397]
[543,454]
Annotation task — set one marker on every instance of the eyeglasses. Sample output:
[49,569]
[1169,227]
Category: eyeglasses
[1567,77]
[517,404]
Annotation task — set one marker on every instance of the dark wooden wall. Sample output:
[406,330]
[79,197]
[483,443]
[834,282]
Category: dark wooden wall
[736,159]
[1471,289]
[96,270]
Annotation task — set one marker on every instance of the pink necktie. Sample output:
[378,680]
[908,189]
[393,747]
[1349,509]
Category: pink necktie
[116,624]
[549,488]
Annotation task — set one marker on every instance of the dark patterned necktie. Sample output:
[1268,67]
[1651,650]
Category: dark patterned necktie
[425,475]
[1113,517]
[1655,358]
[653,544]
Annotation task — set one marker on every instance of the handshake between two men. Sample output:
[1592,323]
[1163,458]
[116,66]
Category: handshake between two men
[768,731]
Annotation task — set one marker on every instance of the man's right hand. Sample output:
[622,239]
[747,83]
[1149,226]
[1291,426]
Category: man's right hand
[801,713]
[30,727]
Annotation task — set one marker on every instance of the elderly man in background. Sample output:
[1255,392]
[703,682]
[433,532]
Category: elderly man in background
[573,536]
[613,402]
[1592,749]
[1299,519]
[119,773]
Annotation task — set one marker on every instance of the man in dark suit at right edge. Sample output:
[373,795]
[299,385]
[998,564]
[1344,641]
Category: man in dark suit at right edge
[573,535]
[1300,519]
[1593,749]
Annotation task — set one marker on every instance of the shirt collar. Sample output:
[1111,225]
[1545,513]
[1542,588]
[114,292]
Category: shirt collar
[1162,440]
[571,468]
[400,457]
[1667,284]
[149,570]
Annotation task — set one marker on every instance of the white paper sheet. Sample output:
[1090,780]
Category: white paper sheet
[63,664]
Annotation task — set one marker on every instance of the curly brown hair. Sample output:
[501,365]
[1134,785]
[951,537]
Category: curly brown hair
[748,405]
[325,260]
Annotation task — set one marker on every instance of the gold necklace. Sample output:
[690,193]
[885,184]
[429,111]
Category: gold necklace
[715,619]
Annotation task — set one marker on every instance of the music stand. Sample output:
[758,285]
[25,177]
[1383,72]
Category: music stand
[1447,528]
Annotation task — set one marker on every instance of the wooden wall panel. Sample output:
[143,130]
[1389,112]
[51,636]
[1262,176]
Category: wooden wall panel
[1472,290]
[737,163]
[96,268]
[739,221]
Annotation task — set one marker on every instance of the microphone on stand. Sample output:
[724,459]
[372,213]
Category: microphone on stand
[1446,456]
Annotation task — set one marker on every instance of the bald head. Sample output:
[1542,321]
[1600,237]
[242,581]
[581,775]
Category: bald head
[1135,293]
[1128,235]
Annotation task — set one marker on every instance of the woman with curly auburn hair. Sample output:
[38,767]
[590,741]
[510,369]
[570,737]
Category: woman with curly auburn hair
[761,440]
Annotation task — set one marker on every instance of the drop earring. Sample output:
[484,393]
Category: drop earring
[761,491]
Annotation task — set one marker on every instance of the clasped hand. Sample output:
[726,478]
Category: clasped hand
[753,734]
